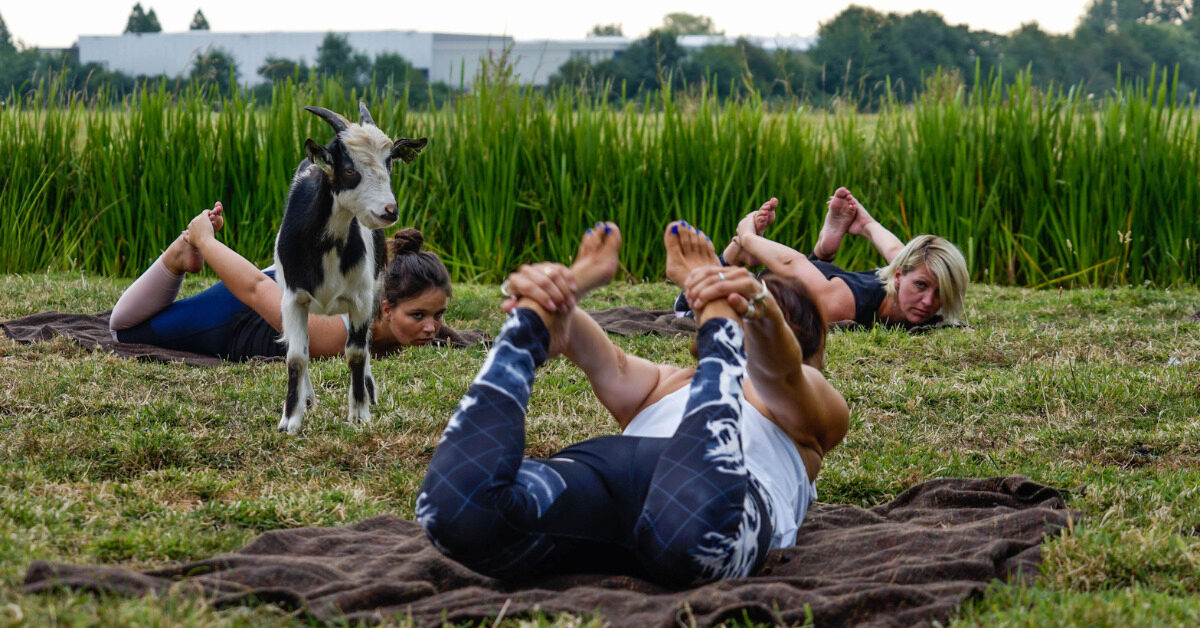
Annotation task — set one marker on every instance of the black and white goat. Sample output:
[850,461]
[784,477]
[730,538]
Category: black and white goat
[330,251]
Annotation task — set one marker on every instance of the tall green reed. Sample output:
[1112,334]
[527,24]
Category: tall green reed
[1037,187]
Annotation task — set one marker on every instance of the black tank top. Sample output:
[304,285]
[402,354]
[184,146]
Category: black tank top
[251,336]
[867,289]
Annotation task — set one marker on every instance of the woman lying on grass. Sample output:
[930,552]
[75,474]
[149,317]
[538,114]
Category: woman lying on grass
[923,282]
[715,466]
[239,317]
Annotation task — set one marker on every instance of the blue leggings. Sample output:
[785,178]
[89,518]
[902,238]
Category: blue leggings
[680,511]
[213,322]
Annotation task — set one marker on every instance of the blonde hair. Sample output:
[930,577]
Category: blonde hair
[943,259]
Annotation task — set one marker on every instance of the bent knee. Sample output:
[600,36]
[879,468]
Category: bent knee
[457,530]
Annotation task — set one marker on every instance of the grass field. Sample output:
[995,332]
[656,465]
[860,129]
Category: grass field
[104,460]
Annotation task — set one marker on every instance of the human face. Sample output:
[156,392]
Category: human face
[917,295]
[416,320]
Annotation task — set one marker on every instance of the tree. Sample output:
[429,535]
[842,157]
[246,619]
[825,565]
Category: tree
[152,25]
[688,24]
[142,22]
[277,69]
[607,30]
[576,71]
[390,66]
[645,64]
[215,67]
[336,58]
[733,68]
[6,42]
[849,48]
[1115,15]
[199,22]
[1051,58]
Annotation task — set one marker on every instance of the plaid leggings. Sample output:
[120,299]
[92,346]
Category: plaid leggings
[681,511]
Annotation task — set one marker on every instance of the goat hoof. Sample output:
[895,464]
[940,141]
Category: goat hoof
[359,416]
[288,426]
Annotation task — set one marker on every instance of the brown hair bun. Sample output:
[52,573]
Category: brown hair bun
[406,242]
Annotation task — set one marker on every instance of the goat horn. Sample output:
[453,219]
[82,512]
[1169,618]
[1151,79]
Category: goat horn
[336,121]
[364,114]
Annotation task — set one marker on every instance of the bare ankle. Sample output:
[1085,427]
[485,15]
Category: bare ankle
[716,309]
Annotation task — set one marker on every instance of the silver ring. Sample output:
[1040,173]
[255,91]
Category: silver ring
[721,275]
[749,311]
[761,295]
[504,289]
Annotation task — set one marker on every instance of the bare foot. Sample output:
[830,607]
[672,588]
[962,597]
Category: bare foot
[687,250]
[837,222]
[181,257]
[861,218]
[597,261]
[756,221]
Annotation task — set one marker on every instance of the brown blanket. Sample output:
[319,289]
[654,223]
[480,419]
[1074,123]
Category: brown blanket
[910,561]
[91,331]
[633,321]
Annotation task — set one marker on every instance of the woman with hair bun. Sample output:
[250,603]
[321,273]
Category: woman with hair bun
[239,318]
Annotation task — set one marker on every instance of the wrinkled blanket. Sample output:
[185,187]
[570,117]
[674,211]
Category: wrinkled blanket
[633,321]
[910,561]
[91,330]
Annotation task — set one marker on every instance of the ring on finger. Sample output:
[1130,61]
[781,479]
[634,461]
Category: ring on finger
[721,275]
[546,271]
[504,289]
[750,311]
[762,294]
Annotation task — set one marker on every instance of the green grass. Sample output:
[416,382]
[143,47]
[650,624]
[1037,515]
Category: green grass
[104,460]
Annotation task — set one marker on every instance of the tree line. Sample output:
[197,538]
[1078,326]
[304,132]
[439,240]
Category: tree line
[863,55]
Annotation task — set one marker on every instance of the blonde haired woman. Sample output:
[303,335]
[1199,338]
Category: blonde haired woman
[923,282]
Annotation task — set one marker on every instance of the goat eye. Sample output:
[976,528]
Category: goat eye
[348,171]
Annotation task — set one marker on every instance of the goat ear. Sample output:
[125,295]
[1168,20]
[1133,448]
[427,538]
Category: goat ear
[320,156]
[407,149]
[365,115]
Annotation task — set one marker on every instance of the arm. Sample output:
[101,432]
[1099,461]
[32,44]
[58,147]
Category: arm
[834,297]
[799,399]
[864,225]
[623,383]
[327,334]
[885,241]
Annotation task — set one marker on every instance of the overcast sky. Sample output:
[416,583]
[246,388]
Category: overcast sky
[58,23]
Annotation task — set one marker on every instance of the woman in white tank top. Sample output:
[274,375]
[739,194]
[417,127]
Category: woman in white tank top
[747,428]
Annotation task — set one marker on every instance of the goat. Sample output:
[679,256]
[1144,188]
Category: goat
[330,252]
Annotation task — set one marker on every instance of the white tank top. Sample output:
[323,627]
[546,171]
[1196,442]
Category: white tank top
[770,455]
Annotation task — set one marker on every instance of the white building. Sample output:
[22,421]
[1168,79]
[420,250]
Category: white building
[444,57]
[770,44]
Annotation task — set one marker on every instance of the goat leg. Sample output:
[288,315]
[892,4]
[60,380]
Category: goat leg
[300,395]
[362,384]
